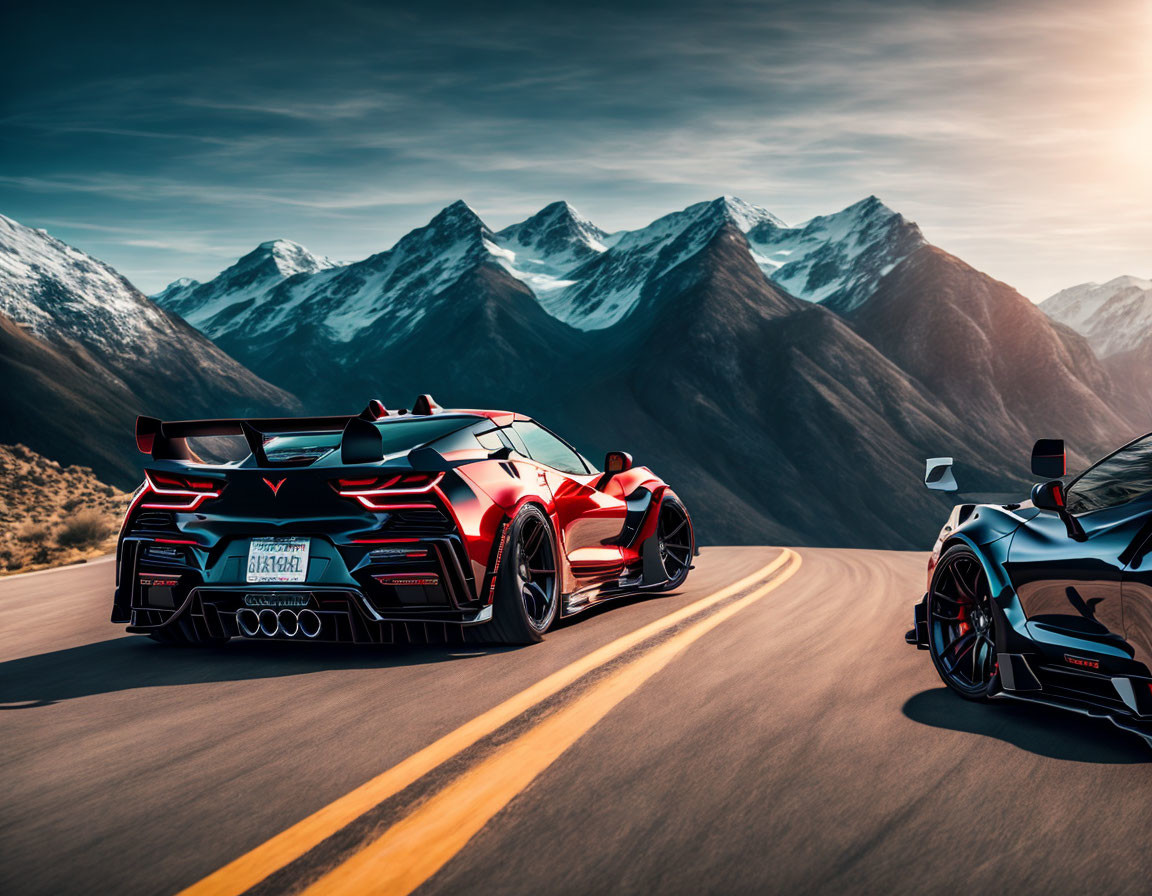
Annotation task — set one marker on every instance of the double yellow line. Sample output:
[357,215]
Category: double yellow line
[421,842]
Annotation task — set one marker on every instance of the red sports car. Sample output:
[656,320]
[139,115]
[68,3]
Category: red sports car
[385,526]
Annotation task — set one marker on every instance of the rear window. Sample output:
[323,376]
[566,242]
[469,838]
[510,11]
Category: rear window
[398,435]
[302,447]
[403,434]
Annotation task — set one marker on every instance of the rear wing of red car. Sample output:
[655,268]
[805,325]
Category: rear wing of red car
[360,441]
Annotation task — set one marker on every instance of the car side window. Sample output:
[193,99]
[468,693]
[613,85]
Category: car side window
[490,441]
[1118,479]
[548,449]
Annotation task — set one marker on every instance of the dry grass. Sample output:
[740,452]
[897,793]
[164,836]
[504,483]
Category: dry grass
[51,515]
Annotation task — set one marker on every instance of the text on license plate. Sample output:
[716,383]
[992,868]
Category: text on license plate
[278,560]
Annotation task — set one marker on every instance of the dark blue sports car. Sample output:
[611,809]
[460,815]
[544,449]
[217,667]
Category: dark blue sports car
[1049,600]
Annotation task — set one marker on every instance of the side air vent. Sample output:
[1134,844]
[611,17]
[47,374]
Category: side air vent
[154,521]
[423,521]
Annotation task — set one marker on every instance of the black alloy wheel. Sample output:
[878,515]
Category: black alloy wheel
[961,625]
[527,581]
[675,541]
[535,556]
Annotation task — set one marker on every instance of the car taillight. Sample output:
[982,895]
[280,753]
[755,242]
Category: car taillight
[370,490]
[171,491]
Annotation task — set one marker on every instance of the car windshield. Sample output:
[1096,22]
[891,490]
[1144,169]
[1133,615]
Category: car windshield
[1118,479]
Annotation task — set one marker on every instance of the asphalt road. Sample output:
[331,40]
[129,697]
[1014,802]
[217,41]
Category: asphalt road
[778,738]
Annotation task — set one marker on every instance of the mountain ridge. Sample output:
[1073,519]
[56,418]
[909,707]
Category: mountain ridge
[770,413]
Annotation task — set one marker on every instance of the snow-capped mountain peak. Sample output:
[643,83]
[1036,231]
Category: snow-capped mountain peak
[287,257]
[743,214]
[253,275]
[556,229]
[608,288]
[544,248]
[836,259]
[1113,316]
[62,294]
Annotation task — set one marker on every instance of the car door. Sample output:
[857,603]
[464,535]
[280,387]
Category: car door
[1072,588]
[590,519]
[1137,590]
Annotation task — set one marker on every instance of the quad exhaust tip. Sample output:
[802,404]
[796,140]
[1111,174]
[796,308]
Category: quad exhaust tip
[289,623]
[248,621]
[309,623]
[269,623]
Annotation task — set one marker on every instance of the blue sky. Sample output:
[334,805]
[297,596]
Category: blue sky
[169,141]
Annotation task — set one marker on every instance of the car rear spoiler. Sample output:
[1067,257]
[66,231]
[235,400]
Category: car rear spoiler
[168,440]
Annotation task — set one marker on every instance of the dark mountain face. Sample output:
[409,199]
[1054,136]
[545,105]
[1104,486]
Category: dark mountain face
[1131,371]
[990,356]
[772,416]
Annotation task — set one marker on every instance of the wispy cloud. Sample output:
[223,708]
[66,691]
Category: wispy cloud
[1016,132]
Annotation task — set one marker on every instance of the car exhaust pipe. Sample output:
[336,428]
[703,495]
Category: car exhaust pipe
[248,622]
[289,623]
[309,623]
[269,623]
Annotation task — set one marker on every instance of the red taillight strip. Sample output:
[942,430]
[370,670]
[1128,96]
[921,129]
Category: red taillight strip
[198,498]
[496,566]
[386,540]
[387,490]
[427,580]
[210,488]
[367,503]
[191,505]
[132,506]
[174,541]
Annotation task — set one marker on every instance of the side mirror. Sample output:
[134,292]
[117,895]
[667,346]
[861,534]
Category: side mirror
[617,462]
[1050,496]
[1048,459]
[938,475]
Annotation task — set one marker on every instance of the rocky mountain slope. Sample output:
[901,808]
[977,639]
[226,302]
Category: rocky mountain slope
[82,352]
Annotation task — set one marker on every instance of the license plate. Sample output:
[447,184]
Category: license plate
[278,560]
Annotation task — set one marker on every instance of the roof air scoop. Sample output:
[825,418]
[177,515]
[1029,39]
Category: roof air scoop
[425,405]
[374,411]
[361,443]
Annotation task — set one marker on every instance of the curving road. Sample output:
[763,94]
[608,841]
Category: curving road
[764,730]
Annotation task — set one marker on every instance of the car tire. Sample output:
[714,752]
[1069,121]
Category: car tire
[962,624]
[527,598]
[676,541]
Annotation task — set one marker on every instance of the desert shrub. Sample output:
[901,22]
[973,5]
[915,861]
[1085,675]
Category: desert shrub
[84,530]
[72,503]
[31,533]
